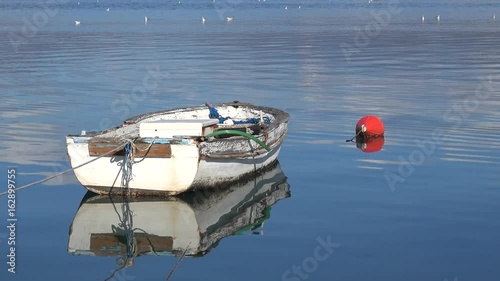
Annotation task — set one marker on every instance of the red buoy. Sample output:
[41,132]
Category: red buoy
[370,126]
[370,145]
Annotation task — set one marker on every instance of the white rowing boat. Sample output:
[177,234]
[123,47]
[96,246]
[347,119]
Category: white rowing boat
[172,151]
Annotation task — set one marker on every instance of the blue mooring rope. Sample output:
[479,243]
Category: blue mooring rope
[127,165]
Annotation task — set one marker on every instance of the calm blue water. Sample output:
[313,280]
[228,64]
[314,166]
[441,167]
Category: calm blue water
[422,208]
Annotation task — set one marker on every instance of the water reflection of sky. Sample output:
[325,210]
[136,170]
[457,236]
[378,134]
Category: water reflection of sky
[66,78]
[409,86]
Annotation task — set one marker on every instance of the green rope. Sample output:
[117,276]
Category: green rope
[239,133]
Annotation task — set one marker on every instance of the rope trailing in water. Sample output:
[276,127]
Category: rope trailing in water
[178,262]
[127,225]
[68,170]
[357,134]
[239,133]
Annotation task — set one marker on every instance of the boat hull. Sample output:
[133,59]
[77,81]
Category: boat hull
[190,164]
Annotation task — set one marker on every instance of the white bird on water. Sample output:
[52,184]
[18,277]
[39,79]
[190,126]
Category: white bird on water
[203,19]
[229,18]
[494,17]
[78,22]
[146,19]
[286,7]
[438,18]
[422,18]
[107,10]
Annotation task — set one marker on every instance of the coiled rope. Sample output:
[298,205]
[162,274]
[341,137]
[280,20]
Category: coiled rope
[128,160]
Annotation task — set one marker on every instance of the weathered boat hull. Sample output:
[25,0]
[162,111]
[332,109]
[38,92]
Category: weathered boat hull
[171,166]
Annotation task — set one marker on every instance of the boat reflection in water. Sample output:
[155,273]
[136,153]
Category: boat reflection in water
[188,225]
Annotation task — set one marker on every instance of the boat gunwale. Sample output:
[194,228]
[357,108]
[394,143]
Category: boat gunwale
[280,117]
